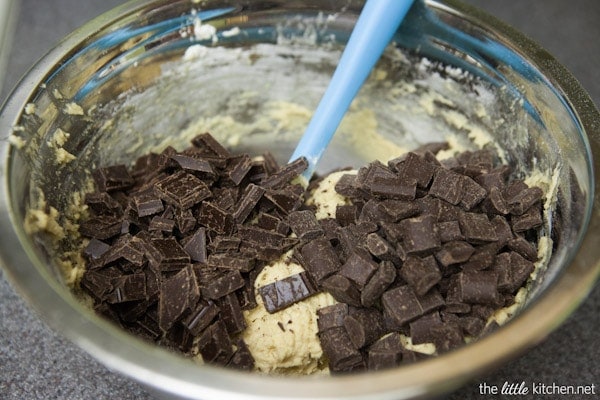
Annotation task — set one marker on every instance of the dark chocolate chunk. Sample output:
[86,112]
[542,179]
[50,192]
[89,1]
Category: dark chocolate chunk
[331,316]
[103,203]
[477,228]
[235,261]
[174,298]
[320,259]
[419,235]
[342,289]
[101,227]
[147,203]
[242,358]
[346,186]
[479,287]
[524,200]
[482,258]
[195,246]
[383,183]
[400,306]
[185,220]
[447,337]
[250,198]
[215,345]
[381,248]
[126,248]
[128,288]
[231,313]
[420,273]
[339,349]
[216,219]
[471,326]
[225,244]
[222,284]
[416,168]
[421,328]
[379,282]
[261,237]
[194,164]
[385,353]
[237,169]
[201,317]
[95,249]
[285,292]
[532,218]
[305,225]
[472,194]
[396,210]
[210,145]
[495,202]
[161,224]
[364,326]
[523,247]
[112,178]
[503,231]
[447,185]
[346,214]
[454,252]
[285,174]
[167,254]
[182,189]
[449,231]
[358,269]
[286,200]
[513,270]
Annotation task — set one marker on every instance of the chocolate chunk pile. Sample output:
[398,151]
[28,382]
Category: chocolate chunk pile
[425,249]
[173,255]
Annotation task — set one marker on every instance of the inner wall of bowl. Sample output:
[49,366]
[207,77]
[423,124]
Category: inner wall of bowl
[144,87]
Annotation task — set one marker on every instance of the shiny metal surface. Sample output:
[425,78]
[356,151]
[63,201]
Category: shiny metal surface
[566,287]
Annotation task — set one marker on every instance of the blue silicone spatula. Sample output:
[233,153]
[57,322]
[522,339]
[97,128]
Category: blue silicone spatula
[377,23]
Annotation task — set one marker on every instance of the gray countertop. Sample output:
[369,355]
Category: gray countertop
[36,363]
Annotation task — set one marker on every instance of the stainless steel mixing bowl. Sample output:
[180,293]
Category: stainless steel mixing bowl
[124,71]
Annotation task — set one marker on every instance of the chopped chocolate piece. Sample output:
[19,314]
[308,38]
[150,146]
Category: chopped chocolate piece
[215,345]
[132,310]
[235,261]
[395,210]
[478,287]
[174,298]
[222,284]
[342,289]
[416,168]
[216,219]
[524,200]
[400,306]
[127,248]
[513,270]
[471,326]
[185,220]
[346,186]
[447,337]
[331,316]
[421,274]
[381,248]
[419,235]
[364,326]
[182,189]
[167,254]
[447,185]
[258,236]
[503,230]
[226,197]
[95,249]
[472,194]
[514,188]
[268,222]
[242,358]
[285,200]
[477,228]
[103,203]
[237,169]
[194,164]
[285,174]
[379,282]
[421,328]
[449,231]
[208,143]
[523,247]
[495,202]
[482,258]
[270,162]
[532,218]
[161,224]
[385,353]
[101,228]
[201,317]
[231,313]
[97,283]
[358,269]
[112,178]
[147,203]
[305,225]
[225,244]
[454,252]
[250,198]
[285,292]
[392,187]
[320,259]
[339,349]
[145,165]
[195,246]
[346,214]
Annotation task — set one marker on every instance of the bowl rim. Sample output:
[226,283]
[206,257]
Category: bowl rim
[138,360]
